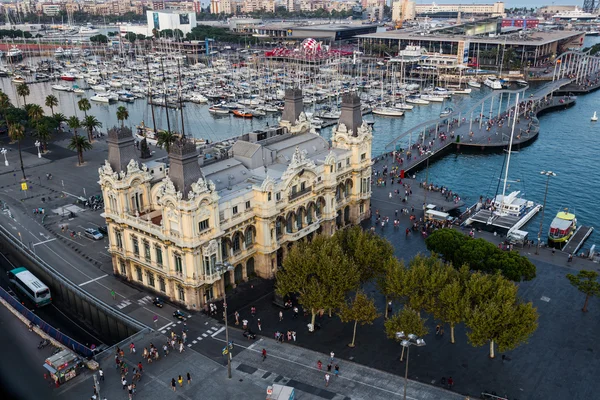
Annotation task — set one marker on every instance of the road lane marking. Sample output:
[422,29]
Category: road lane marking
[45,241]
[216,333]
[92,280]
[166,326]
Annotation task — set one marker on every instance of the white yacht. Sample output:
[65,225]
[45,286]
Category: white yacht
[387,111]
[493,83]
[62,88]
[416,100]
[88,30]
[404,106]
[432,98]
[474,84]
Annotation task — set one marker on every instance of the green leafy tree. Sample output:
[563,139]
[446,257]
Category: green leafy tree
[23,91]
[391,282]
[319,273]
[368,251]
[79,144]
[74,123]
[84,105]
[131,37]
[43,133]
[497,315]
[445,242]
[122,115]
[51,102]
[360,310]
[99,39]
[166,139]
[512,265]
[90,123]
[587,283]
[451,302]
[5,105]
[408,321]
[16,132]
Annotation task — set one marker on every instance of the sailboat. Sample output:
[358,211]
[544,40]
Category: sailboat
[594,117]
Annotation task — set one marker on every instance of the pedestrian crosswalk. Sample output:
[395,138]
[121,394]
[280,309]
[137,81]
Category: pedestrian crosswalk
[145,300]
[123,304]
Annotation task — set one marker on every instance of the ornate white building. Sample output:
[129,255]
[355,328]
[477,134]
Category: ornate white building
[169,226]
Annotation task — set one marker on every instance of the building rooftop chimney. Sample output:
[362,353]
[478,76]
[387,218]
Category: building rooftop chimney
[121,148]
[293,105]
[351,115]
[184,166]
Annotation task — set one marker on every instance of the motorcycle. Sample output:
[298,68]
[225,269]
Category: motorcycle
[43,343]
[179,315]
[249,334]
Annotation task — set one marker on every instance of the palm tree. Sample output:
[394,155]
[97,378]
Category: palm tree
[74,123]
[122,115]
[5,104]
[79,144]
[166,139]
[59,118]
[35,112]
[84,105]
[90,123]
[43,133]
[23,91]
[16,132]
[51,101]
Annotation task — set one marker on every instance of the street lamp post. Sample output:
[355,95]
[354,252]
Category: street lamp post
[38,144]
[548,174]
[222,269]
[406,342]
[3,151]
[429,154]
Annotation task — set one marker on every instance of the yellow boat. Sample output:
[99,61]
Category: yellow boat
[563,226]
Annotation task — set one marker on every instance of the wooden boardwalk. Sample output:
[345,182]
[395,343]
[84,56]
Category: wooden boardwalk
[489,129]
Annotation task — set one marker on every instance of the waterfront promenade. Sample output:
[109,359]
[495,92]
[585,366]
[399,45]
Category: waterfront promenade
[485,126]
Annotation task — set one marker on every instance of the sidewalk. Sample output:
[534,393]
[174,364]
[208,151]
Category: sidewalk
[296,366]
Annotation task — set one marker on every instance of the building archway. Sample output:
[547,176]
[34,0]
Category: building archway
[238,274]
[227,278]
[338,218]
[347,215]
[250,267]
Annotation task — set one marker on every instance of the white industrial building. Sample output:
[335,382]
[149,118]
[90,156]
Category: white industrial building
[171,19]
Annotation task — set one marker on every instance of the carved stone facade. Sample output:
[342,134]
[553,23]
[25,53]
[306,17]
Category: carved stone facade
[246,210]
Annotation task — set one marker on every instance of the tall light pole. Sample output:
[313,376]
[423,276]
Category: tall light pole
[548,175]
[406,342]
[3,151]
[429,154]
[222,269]
[38,144]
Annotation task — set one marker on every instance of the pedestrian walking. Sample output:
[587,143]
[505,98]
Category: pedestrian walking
[113,294]
[165,350]
[331,355]
[184,337]
[437,329]
[180,380]
[319,365]
[336,369]
[180,347]
[450,382]
[294,335]
[132,348]
[259,325]
[280,316]
[101,373]
[124,382]
[245,324]
[327,379]
[140,366]
[264,354]
[237,317]
[329,367]
[173,384]
[295,312]
[253,311]
[189,378]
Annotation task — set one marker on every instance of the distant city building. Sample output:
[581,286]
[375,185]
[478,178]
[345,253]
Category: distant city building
[170,226]
[403,10]
[551,10]
[171,19]
[528,23]
[451,10]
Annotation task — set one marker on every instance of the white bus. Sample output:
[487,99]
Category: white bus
[26,283]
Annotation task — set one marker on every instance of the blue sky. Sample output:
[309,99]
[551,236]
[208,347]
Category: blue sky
[509,3]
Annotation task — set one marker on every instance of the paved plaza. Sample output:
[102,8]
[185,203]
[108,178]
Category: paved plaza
[557,363]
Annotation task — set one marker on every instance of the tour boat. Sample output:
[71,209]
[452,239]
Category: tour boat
[563,226]
[474,84]
[594,117]
[492,83]
[387,111]
[242,114]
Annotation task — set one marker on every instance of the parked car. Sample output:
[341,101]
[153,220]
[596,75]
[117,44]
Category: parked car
[93,234]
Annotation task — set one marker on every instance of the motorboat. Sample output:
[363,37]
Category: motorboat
[198,98]
[85,30]
[316,122]
[447,112]
[18,79]
[14,53]
[127,98]
[104,97]
[67,77]
[62,88]
[404,106]
[218,110]
[474,84]
[257,113]
[329,114]
[387,111]
[59,52]
[242,114]
[78,91]
[493,83]
[98,88]
[432,98]
[521,82]
[416,100]
[563,226]
[462,91]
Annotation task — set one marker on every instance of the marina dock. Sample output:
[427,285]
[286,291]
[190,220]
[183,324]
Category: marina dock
[578,239]
[503,223]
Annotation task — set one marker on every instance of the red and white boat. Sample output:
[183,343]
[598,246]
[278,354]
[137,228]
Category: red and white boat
[67,77]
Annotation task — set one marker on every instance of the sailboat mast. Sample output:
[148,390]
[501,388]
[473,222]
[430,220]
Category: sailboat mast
[512,133]
[162,68]
[150,97]
[180,100]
